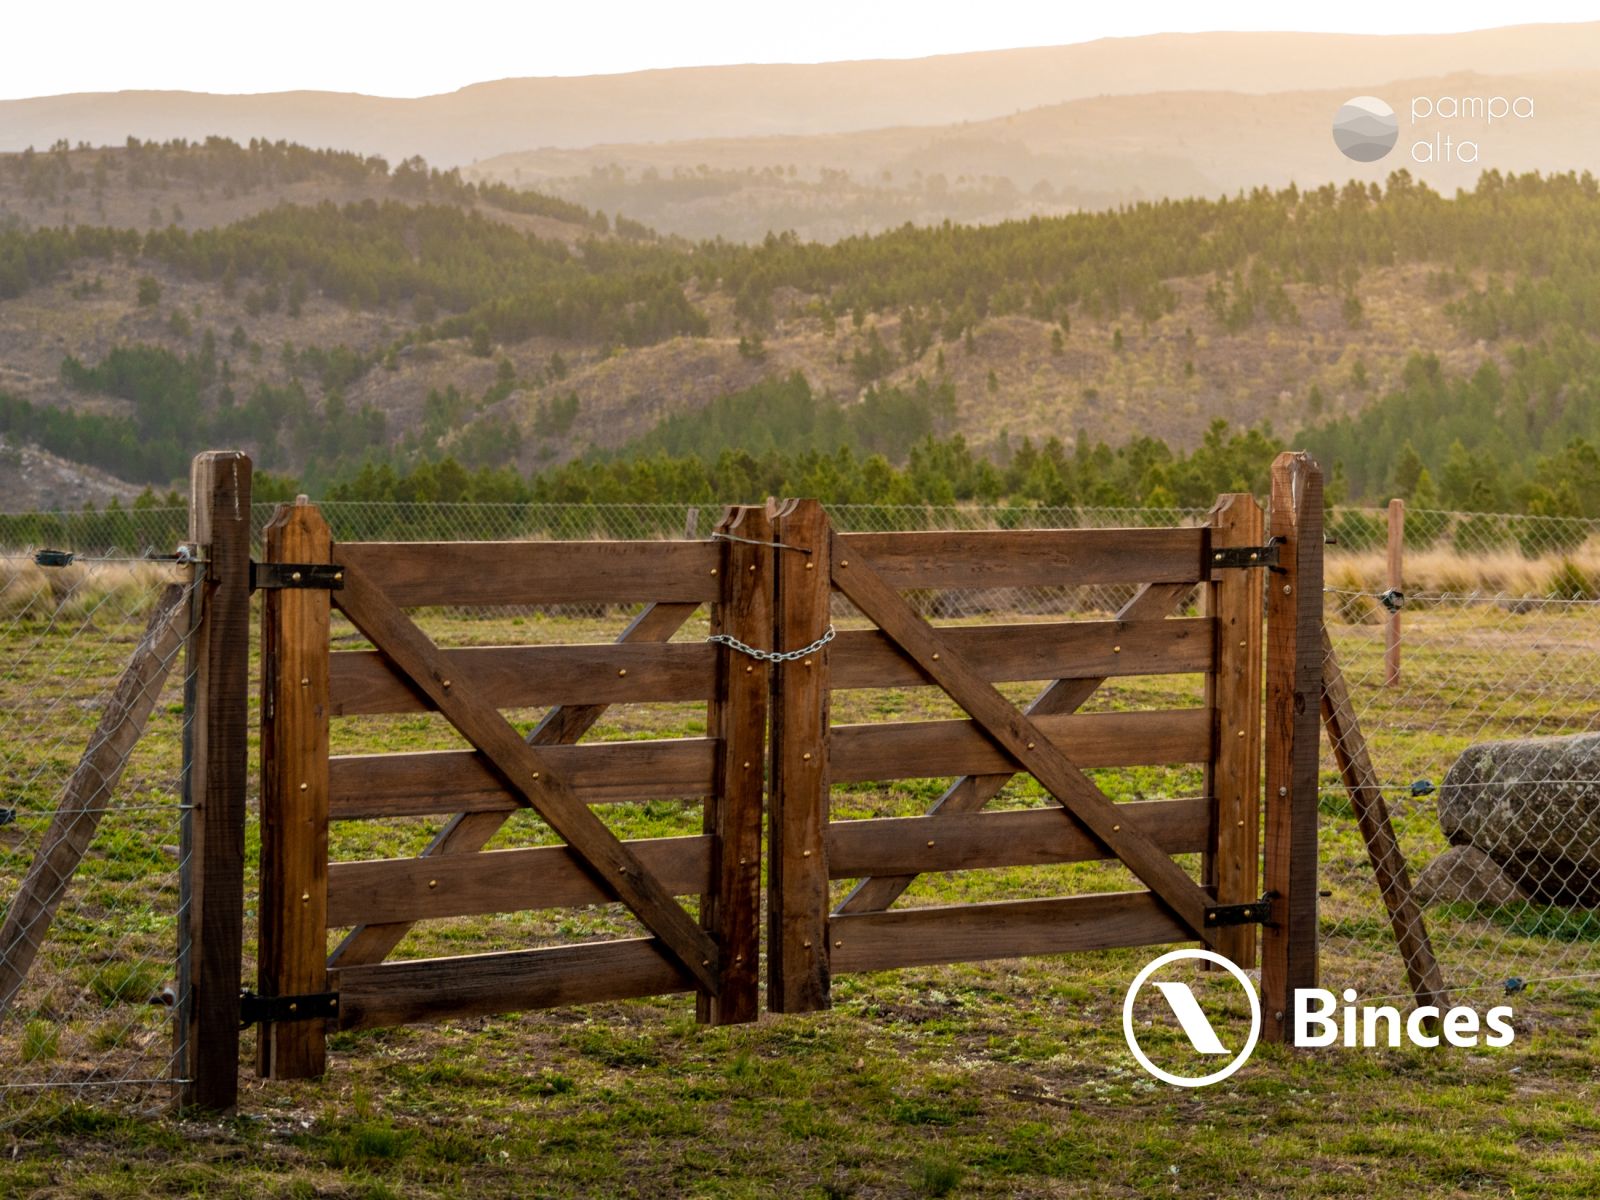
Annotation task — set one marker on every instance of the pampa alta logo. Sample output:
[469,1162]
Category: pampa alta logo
[1365,129]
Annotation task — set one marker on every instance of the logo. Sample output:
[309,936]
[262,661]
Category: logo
[1191,1018]
[1365,129]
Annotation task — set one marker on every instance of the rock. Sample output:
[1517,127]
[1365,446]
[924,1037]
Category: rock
[1532,805]
[1465,875]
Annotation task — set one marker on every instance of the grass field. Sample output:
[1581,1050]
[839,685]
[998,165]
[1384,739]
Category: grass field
[1006,1078]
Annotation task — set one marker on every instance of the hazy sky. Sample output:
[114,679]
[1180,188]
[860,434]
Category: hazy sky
[404,48]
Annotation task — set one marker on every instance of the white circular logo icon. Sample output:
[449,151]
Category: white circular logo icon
[1191,1018]
[1365,128]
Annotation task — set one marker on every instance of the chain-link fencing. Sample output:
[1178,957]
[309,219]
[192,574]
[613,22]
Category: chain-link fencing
[91,753]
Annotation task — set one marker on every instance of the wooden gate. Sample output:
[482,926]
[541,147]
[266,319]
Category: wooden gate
[771,577]
[302,989]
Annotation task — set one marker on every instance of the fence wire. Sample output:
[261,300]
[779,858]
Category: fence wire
[1500,641]
[86,997]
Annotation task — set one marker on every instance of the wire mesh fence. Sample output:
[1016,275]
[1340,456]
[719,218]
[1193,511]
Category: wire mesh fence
[1500,640]
[90,831]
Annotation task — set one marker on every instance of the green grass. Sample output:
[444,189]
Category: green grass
[1006,1078]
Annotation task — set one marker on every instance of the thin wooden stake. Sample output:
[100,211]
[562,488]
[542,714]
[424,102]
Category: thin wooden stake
[1377,831]
[216,777]
[1396,583]
[1294,689]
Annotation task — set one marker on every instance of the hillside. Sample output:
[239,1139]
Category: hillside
[511,115]
[1083,155]
[422,325]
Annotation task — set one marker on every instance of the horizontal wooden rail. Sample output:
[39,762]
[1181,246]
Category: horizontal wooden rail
[930,749]
[362,681]
[437,989]
[1007,929]
[366,786]
[868,658]
[463,574]
[1016,838]
[459,885]
[1031,558]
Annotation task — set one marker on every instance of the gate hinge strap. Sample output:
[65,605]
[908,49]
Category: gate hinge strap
[1244,557]
[1255,912]
[296,575]
[267,1010]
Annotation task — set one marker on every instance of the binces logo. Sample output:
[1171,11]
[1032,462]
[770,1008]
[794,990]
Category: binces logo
[1365,129]
[1191,1018]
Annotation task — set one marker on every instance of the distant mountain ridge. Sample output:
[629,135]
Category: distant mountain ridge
[750,101]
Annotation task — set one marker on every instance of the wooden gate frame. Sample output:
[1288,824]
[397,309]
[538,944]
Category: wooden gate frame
[808,943]
[301,990]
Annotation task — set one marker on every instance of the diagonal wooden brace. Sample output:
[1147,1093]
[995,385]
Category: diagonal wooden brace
[971,793]
[467,833]
[527,774]
[1015,733]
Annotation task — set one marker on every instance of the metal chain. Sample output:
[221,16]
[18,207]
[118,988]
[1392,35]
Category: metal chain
[777,656]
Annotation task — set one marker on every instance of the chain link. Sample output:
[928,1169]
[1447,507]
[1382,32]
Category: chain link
[777,656]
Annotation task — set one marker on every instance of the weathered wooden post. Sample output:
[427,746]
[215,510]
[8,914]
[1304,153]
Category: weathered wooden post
[294,788]
[797,942]
[1396,583]
[1293,714]
[216,740]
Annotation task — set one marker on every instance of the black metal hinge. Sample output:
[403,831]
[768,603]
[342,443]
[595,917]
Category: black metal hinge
[1237,557]
[268,1010]
[1256,912]
[296,575]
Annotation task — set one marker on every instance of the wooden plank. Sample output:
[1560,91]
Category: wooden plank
[466,785]
[1020,736]
[1008,929]
[429,782]
[867,658]
[928,749]
[970,793]
[1294,694]
[527,771]
[405,890]
[1019,837]
[437,989]
[216,780]
[536,676]
[1030,558]
[459,574]
[294,793]
[1233,777]
[1377,831]
[730,908]
[1396,581]
[89,791]
[797,913]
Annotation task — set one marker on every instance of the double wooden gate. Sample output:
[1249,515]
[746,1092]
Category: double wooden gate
[774,578]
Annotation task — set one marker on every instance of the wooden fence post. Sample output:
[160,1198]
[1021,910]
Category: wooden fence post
[216,738]
[731,911]
[797,942]
[1396,583]
[294,793]
[1233,692]
[1293,713]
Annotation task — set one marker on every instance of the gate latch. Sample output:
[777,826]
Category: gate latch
[296,575]
[1244,557]
[1255,912]
[269,1010]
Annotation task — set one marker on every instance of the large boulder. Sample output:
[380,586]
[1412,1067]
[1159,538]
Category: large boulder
[1465,875]
[1533,806]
